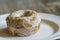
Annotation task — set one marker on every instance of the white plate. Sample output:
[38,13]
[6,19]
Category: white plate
[49,28]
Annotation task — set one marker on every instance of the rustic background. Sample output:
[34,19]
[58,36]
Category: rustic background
[45,6]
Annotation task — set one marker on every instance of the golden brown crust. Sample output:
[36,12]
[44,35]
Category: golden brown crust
[27,13]
[38,27]
[21,27]
[28,24]
[10,32]
[33,19]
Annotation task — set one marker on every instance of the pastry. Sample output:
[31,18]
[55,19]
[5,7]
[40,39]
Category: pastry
[23,23]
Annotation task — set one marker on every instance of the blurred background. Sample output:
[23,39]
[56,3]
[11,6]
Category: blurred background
[44,6]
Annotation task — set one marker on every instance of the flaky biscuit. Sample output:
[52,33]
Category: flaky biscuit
[23,22]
